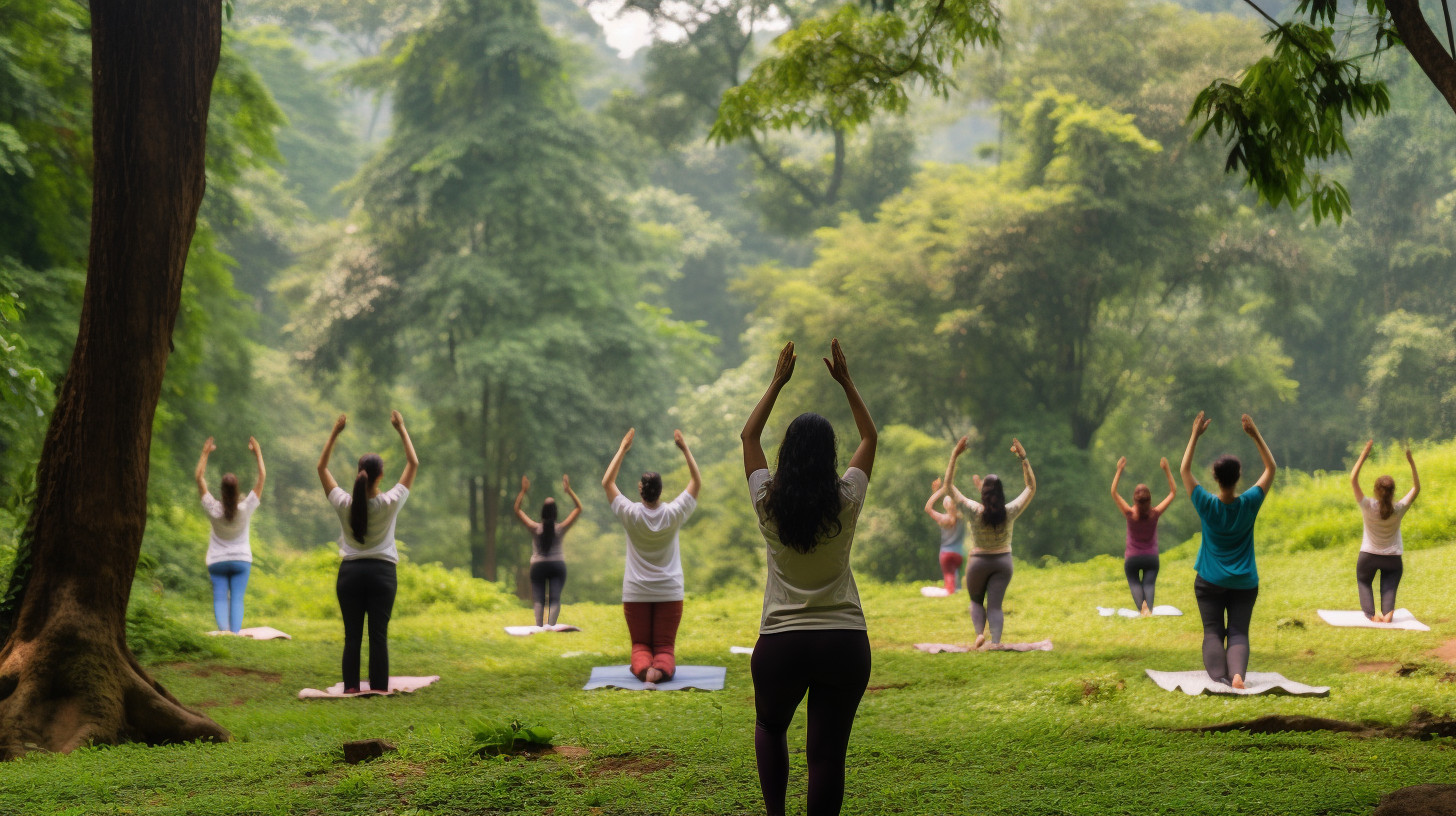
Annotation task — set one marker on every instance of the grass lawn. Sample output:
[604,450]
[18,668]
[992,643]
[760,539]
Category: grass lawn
[1079,730]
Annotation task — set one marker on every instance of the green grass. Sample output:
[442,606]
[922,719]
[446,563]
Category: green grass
[962,733]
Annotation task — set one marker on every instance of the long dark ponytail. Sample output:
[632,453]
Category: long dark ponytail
[993,501]
[371,467]
[548,525]
[229,496]
[803,497]
[1385,497]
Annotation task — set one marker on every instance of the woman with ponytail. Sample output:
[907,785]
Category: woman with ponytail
[812,635]
[548,562]
[367,581]
[229,548]
[1381,549]
[952,524]
[989,522]
[1140,558]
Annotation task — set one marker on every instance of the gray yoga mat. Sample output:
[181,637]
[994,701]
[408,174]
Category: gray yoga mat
[702,678]
[1194,683]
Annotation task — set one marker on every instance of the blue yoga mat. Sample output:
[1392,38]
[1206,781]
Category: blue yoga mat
[702,678]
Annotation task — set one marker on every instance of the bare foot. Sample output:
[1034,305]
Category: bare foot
[1389,616]
[1147,613]
[980,641]
[1238,682]
[653,676]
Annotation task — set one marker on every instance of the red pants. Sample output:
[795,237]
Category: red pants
[653,628]
[950,567]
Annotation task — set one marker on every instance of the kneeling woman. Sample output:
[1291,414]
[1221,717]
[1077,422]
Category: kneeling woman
[812,636]
[1381,548]
[548,560]
[367,582]
[1228,579]
[1140,557]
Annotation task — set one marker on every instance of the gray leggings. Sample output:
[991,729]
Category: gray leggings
[1390,568]
[1142,578]
[1226,615]
[986,580]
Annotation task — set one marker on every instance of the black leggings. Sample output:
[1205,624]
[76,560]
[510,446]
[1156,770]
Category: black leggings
[366,586]
[1225,645]
[1390,568]
[986,580]
[547,575]
[1142,586]
[833,667]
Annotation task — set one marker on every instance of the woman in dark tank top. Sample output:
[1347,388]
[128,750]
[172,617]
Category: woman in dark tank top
[1140,556]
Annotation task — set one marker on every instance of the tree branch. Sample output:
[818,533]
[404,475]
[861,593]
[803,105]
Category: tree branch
[1422,43]
[773,165]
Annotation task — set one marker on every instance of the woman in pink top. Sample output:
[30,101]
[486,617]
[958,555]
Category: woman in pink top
[1140,558]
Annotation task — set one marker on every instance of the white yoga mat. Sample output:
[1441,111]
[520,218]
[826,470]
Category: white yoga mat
[702,678]
[1162,610]
[522,631]
[1354,617]
[257,633]
[938,648]
[1194,683]
[396,685]
[934,592]
[748,650]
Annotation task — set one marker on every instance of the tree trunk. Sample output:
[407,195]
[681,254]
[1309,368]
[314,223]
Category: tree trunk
[1424,46]
[490,524]
[67,677]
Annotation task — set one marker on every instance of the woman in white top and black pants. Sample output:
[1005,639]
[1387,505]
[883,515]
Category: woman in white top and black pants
[812,636]
[1381,547]
[367,581]
[229,548]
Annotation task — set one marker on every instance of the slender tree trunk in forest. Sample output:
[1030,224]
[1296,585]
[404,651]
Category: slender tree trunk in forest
[490,524]
[67,677]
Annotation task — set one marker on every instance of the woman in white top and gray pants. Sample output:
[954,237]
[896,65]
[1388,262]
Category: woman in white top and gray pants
[812,636]
[367,581]
[1381,548]
[229,548]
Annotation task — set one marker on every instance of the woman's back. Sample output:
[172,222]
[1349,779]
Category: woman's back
[383,512]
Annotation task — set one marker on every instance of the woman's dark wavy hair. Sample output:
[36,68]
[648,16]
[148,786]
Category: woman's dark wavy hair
[548,525]
[371,467]
[993,501]
[1227,469]
[803,499]
[229,496]
[1142,502]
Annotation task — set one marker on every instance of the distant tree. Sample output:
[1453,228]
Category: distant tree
[67,677]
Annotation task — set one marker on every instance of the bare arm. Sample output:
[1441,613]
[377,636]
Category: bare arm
[411,461]
[695,479]
[869,436]
[943,519]
[201,473]
[609,479]
[521,516]
[1172,487]
[752,434]
[1026,472]
[1355,472]
[575,511]
[1266,479]
[262,471]
[1415,479]
[1186,469]
[1117,477]
[325,476]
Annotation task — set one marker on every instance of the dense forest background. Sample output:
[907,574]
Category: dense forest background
[477,212]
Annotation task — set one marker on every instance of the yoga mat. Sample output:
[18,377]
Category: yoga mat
[748,650]
[257,633]
[396,685]
[522,631]
[934,592]
[938,648]
[1403,620]
[1158,611]
[702,678]
[1194,683]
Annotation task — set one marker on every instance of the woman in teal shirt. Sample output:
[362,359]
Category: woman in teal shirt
[1228,580]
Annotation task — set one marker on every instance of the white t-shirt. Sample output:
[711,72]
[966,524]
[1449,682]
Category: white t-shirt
[654,570]
[988,540]
[813,590]
[1382,536]
[379,538]
[229,540]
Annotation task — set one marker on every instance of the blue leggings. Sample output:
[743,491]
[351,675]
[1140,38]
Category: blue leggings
[229,580]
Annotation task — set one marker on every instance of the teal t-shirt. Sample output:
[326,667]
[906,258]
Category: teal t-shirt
[1226,554]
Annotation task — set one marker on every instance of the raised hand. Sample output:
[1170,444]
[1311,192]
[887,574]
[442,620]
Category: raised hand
[1122,463]
[935,485]
[961,445]
[253,444]
[1248,423]
[784,368]
[835,362]
[976,480]
[396,420]
[208,446]
[677,439]
[1163,463]
[1017,449]
[627,440]
[340,423]
[1200,425]
[525,484]
[1371,444]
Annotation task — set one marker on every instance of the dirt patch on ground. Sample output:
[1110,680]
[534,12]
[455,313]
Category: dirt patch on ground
[630,765]
[1446,651]
[209,669]
[1376,666]
[570,751]
[887,686]
[1419,800]
[1423,725]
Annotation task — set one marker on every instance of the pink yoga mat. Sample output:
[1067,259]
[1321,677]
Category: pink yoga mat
[396,685]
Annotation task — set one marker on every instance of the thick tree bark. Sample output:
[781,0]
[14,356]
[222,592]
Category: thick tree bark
[67,677]
[1425,46]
